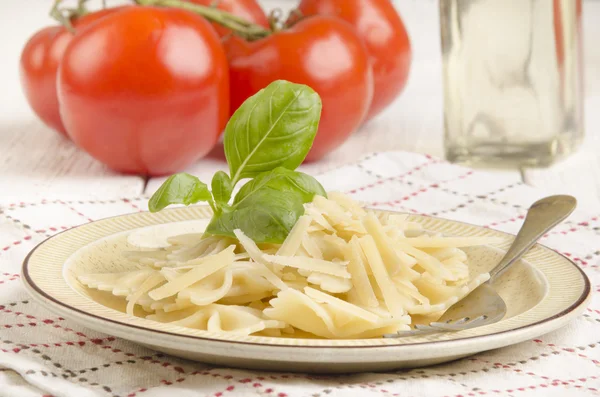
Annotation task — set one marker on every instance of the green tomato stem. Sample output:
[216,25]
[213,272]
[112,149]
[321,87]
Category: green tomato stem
[274,18]
[65,15]
[57,14]
[239,26]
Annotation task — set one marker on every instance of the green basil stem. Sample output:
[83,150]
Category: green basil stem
[213,207]
[239,26]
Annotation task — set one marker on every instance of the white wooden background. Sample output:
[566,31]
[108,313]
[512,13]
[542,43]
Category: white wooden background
[35,163]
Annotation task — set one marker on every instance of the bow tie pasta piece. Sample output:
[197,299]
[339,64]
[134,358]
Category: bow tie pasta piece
[175,315]
[250,278]
[205,291]
[168,304]
[198,250]
[197,320]
[171,274]
[186,240]
[220,318]
[154,258]
[152,281]
[119,284]
[240,320]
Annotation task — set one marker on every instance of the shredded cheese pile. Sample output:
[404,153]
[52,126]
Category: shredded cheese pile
[342,272]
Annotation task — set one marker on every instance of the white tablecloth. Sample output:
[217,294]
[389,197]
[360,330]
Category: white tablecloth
[42,354]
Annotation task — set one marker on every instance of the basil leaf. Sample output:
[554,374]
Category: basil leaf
[273,128]
[285,180]
[266,216]
[268,206]
[180,188]
[221,188]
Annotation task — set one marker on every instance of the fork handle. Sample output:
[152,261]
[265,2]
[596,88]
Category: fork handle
[542,216]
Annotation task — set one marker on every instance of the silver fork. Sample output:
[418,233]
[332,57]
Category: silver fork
[483,306]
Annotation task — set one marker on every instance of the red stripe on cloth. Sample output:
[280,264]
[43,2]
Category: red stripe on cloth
[422,190]
[46,201]
[11,277]
[148,359]
[95,341]
[579,226]
[392,178]
[573,258]
[179,380]
[38,321]
[513,219]
[76,211]
[14,243]
[132,205]
[577,350]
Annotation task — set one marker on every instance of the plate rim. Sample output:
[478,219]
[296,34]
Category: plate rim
[48,300]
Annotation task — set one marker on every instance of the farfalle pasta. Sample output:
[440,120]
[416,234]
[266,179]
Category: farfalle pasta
[342,272]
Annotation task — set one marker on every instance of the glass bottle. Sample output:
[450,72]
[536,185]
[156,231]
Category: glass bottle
[513,78]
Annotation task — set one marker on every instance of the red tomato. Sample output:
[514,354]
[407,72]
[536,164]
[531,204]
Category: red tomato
[246,9]
[145,90]
[324,53]
[380,26]
[39,64]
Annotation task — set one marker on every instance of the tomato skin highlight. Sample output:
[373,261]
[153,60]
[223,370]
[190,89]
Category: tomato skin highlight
[39,63]
[380,26]
[38,66]
[146,90]
[322,52]
[249,10]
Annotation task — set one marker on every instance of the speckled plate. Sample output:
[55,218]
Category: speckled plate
[543,292]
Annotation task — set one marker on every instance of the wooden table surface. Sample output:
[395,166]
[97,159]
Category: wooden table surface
[35,163]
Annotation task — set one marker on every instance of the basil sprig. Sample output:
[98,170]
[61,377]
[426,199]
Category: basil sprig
[266,139]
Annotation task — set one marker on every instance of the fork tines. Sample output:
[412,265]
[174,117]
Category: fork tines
[450,325]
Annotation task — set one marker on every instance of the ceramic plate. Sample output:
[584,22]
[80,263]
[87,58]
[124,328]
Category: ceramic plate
[543,292]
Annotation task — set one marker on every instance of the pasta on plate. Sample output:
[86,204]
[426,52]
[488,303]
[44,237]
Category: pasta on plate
[342,272]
